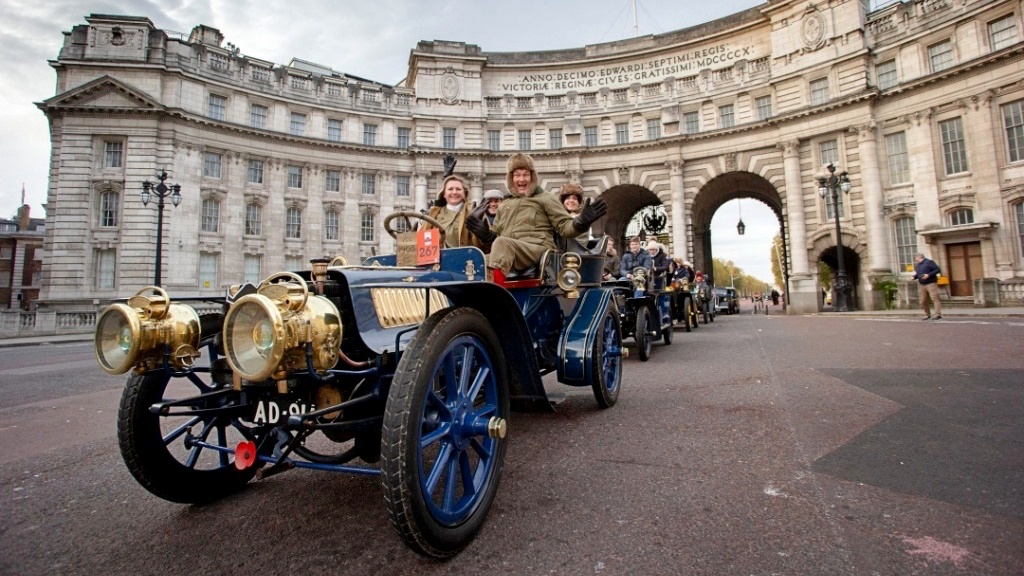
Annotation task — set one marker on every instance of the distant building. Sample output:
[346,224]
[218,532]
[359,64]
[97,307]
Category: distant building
[920,101]
[21,265]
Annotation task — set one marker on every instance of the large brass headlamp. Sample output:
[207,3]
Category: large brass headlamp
[266,334]
[640,278]
[569,274]
[137,333]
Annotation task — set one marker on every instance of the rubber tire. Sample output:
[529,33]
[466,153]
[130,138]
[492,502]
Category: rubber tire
[704,311]
[407,504]
[641,335]
[146,455]
[607,361]
[693,314]
[666,335]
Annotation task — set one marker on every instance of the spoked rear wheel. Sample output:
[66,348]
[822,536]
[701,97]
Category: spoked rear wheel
[642,334]
[176,457]
[443,449]
[606,367]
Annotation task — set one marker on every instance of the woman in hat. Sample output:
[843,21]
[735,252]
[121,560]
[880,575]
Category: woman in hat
[450,210]
[571,197]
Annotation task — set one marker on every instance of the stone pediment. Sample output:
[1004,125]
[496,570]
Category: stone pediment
[104,93]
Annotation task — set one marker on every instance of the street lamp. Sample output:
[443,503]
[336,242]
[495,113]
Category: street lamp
[162,191]
[741,228]
[832,184]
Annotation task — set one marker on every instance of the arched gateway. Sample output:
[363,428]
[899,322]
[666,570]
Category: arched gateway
[919,101]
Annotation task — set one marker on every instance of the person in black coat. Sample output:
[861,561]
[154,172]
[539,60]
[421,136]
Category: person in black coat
[927,273]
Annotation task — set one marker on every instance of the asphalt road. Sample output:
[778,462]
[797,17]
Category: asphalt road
[755,445]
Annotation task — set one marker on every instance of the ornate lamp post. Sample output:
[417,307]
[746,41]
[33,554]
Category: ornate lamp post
[832,184]
[162,191]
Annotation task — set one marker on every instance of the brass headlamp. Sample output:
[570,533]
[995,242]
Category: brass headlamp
[640,278]
[569,274]
[137,333]
[267,333]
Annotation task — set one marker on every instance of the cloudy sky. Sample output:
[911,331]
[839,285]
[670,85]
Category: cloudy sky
[367,39]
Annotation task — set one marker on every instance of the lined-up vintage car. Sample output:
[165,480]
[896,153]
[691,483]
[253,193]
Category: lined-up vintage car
[406,366]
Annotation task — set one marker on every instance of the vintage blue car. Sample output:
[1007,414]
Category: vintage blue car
[406,366]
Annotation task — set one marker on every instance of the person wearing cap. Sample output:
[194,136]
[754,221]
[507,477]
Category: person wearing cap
[451,210]
[492,198]
[528,220]
[659,262]
[571,197]
[634,258]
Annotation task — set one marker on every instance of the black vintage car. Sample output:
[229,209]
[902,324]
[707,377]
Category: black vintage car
[405,367]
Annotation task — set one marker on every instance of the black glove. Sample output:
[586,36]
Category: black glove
[475,224]
[449,165]
[589,214]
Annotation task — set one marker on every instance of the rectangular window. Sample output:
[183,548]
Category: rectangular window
[725,116]
[211,165]
[293,263]
[298,124]
[211,215]
[253,269]
[258,116]
[494,140]
[954,151]
[333,183]
[113,154]
[961,217]
[899,160]
[106,268]
[940,55]
[622,133]
[653,128]
[367,227]
[555,138]
[331,225]
[404,137]
[207,270]
[448,139]
[590,135]
[906,242]
[255,172]
[295,177]
[334,130]
[253,219]
[108,209]
[5,278]
[828,152]
[293,223]
[1002,32]
[1013,123]
[763,107]
[525,139]
[692,122]
[215,106]
[402,186]
[819,91]
[885,74]
[370,134]
[369,184]
[1018,210]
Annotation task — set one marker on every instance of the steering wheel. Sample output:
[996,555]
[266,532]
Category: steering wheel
[415,216]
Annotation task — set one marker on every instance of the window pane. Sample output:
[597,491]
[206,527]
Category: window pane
[828,152]
[253,219]
[333,183]
[404,137]
[211,165]
[293,263]
[113,154]
[494,140]
[448,139]
[105,268]
[294,177]
[555,138]
[255,172]
[524,139]
[899,161]
[653,128]
[954,150]
[293,223]
[764,107]
[1013,123]
[961,216]
[590,135]
[298,124]
[215,107]
[1002,32]
[885,74]
[370,134]
[207,270]
[367,227]
[334,130]
[108,209]
[725,117]
[819,91]
[258,116]
[622,133]
[253,269]
[941,56]
[369,184]
[906,242]
[692,122]
[402,186]
[211,215]
[1019,212]
[331,225]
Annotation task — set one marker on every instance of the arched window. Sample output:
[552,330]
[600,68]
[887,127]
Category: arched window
[961,216]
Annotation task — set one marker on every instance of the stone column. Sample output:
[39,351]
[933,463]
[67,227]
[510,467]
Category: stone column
[675,177]
[803,294]
[476,187]
[871,184]
[420,189]
[921,153]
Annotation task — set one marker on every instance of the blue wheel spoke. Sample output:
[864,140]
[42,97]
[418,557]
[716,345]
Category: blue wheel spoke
[451,482]
[439,468]
[478,382]
[177,432]
[222,440]
[193,455]
[435,435]
[437,402]
[451,381]
[468,485]
[481,450]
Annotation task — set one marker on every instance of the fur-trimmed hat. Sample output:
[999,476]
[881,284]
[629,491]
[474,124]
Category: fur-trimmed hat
[653,244]
[570,189]
[515,162]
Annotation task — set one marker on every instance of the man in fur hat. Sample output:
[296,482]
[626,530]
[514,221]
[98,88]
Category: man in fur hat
[528,220]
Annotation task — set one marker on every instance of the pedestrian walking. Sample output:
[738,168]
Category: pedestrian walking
[927,273]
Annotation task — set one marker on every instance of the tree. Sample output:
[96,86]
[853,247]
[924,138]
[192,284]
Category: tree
[776,254]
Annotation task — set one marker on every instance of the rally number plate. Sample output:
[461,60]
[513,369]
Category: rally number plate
[278,411]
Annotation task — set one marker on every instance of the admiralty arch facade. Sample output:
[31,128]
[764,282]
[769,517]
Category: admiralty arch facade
[920,101]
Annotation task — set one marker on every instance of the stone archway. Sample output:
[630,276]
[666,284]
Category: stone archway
[624,200]
[823,247]
[716,192]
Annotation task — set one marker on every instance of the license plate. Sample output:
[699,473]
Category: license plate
[277,411]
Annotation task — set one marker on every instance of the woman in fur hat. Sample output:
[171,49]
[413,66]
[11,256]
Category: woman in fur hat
[528,220]
[571,196]
[451,210]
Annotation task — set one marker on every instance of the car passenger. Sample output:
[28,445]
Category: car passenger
[451,210]
[685,272]
[571,197]
[611,261]
[659,263]
[527,221]
[634,259]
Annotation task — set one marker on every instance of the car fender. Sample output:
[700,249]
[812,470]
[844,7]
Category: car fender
[582,328]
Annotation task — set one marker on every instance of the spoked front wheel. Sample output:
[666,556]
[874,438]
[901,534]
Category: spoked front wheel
[443,449]
[606,358]
[186,455]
